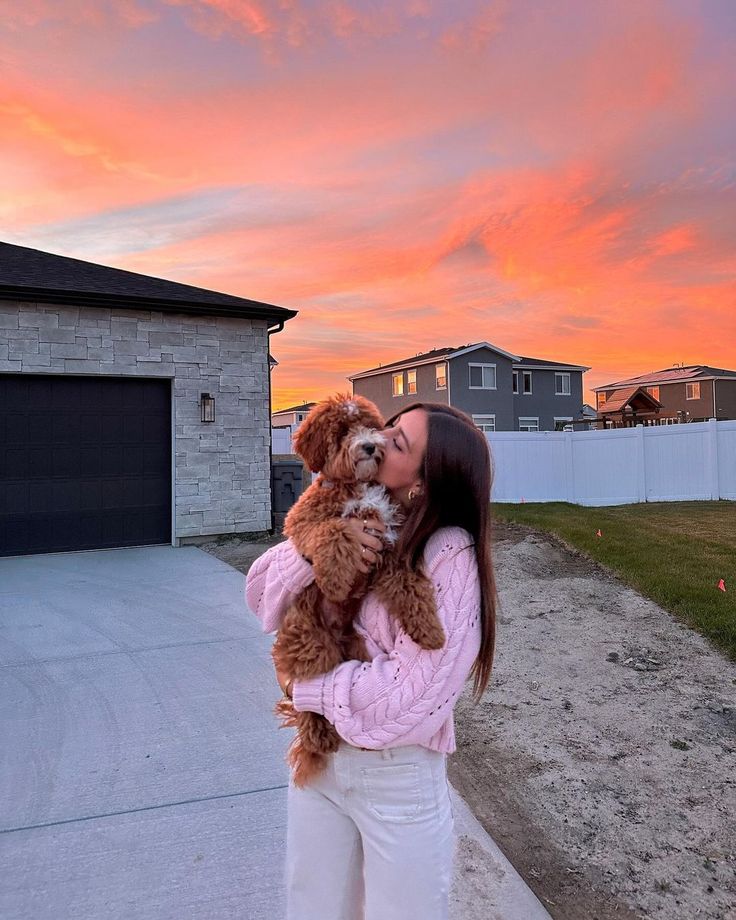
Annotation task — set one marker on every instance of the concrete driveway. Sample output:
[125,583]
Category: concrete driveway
[142,772]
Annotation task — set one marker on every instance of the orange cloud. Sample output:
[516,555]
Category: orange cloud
[408,175]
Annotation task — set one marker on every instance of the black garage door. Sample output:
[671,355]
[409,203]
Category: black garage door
[85,463]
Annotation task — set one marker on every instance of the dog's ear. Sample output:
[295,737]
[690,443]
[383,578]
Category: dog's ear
[310,442]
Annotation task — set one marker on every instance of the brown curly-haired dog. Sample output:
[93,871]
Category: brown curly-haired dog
[341,439]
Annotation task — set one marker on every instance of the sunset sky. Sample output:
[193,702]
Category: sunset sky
[557,177]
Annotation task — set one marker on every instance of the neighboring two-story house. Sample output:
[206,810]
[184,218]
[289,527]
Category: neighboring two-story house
[500,390]
[687,394]
[291,417]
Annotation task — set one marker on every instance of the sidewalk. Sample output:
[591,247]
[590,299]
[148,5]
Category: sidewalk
[143,775]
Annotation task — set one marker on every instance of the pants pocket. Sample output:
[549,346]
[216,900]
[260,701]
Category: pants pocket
[393,792]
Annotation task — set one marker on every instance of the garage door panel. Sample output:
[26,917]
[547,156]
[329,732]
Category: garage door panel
[133,461]
[65,460]
[156,460]
[14,462]
[39,463]
[16,429]
[90,460]
[132,429]
[85,463]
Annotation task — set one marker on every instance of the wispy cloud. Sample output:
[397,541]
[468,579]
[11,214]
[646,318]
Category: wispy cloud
[558,179]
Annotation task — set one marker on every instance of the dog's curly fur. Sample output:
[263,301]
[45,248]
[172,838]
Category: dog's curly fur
[341,439]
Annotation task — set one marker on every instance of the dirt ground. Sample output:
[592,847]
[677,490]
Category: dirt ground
[602,758]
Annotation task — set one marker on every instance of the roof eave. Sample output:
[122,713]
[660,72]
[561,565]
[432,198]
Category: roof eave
[131,302]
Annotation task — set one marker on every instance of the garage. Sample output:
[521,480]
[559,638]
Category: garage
[85,462]
[133,410]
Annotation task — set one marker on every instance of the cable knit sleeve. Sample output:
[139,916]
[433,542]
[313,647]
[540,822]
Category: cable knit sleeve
[404,696]
[273,581]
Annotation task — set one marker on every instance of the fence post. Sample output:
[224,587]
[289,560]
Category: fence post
[569,469]
[711,458]
[641,464]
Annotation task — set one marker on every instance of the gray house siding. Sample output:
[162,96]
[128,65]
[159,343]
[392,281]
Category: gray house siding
[483,401]
[379,388]
[543,403]
[506,407]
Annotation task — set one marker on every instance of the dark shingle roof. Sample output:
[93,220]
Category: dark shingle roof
[670,375]
[427,356]
[439,353]
[543,362]
[43,276]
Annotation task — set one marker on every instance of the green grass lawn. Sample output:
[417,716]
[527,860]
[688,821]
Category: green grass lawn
[672,552]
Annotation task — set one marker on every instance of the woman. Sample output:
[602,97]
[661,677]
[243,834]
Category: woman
[372,837]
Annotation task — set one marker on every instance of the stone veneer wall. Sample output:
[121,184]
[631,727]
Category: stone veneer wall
[221,469]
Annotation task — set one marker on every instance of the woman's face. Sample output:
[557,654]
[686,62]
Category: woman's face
[406,443]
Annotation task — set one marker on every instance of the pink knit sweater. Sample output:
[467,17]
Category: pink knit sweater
[406,694]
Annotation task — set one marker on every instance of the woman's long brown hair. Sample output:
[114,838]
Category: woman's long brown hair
[457,475]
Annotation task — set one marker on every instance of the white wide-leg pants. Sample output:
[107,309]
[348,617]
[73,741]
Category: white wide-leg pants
[371,838]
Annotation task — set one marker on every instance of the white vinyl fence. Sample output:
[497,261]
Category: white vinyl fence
[662,463]
[281,440]
[618,466]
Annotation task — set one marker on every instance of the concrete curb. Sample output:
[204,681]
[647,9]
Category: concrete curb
[486,886]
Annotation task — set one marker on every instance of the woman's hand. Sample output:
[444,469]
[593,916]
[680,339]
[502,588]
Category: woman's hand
[368,532]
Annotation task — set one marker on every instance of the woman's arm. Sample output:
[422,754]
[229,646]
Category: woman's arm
[273,581]
[405,696]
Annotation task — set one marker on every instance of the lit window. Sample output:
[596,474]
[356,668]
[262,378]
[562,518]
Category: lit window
[482,376]
[653,391]
[562,384]
[692,391]
[485,422]
[397,381]
[600,400]
[411,381]
[440,371]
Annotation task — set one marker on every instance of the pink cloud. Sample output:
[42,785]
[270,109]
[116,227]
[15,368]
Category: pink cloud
[407,174]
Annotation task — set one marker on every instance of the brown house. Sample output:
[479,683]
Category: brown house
[678,394]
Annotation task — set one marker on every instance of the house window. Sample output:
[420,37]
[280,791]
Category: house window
[440,376]
[600,400]
[482,376]
[653,391]
[562,384]
[527,381]
[515,384]
[528,424]
[563,423]
[411,381]
[485,422]
[692,390]
[397,384]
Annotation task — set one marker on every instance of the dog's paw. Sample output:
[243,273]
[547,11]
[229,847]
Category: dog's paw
[427,634]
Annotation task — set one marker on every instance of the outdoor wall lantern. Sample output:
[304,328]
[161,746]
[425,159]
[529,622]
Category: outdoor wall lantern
[207,405]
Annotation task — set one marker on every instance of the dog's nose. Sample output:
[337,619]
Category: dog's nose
[370,449]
